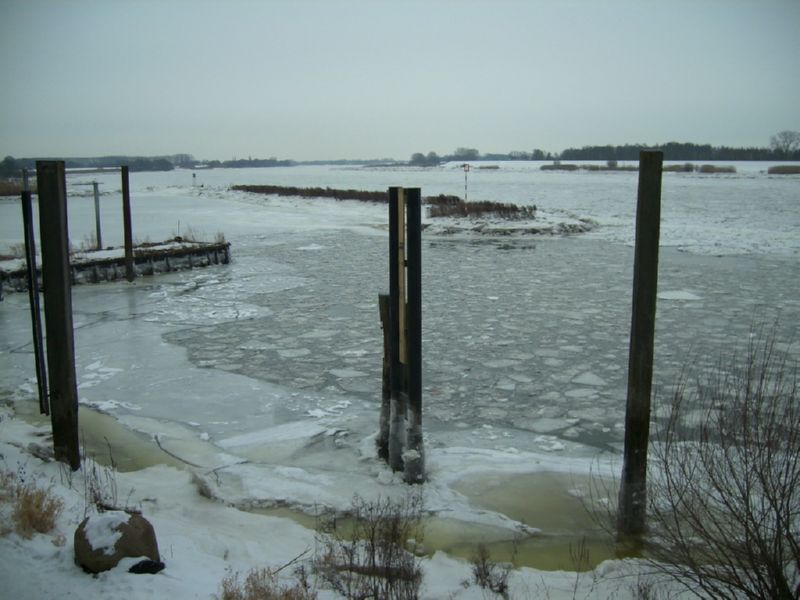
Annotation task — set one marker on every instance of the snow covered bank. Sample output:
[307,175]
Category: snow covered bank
[202,540]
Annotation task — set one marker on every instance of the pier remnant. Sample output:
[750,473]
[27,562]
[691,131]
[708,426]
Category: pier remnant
[633,484]
[32,280]
[98,232]
[400,434]
[130,273]
[53,230]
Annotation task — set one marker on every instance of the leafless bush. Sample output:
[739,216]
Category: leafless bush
[364,555]
[488,574]
[724,489]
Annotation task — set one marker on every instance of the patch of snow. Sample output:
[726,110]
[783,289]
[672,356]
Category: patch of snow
[102,530]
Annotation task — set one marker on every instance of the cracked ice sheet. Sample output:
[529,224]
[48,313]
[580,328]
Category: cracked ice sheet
[353,468]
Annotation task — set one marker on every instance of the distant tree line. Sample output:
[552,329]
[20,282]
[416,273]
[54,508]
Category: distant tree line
[431,159]
[242,163]
[784,145]
[12,167]
[679,151]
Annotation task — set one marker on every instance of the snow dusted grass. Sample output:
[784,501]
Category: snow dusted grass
[29,507]
[263,584]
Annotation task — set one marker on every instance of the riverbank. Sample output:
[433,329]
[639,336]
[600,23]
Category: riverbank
[201,540]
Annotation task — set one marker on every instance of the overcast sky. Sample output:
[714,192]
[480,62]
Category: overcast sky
[356,79]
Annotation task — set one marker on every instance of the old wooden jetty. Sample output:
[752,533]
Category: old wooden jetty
[109,265]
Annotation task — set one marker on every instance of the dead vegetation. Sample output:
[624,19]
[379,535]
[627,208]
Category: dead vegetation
[263,584]
[315,192]
[481,209]
[784,170]
[26,507]
[366,553]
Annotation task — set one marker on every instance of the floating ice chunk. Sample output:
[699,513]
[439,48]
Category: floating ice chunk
[294,352]
[347,373]
[580,393]
[281,433]
[678,295]
[500,363]
[589,378]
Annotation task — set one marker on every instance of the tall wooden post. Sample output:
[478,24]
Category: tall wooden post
[54,236]
[382,441]
[98,233]
[633,491]
[33,295]
[126,218]
[397,309]
[414,454]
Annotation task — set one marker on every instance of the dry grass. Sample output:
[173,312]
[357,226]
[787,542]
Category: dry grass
[32,509]
[479,209]
[263,584]
[784,170]
[13,188]
[315,192]
[716,169]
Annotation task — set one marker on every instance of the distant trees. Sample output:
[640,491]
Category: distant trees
[785,142]
[9,168]
[686,152]
[418,159]
[465,154]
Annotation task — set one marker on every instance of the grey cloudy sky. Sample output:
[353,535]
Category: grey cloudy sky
[350,79]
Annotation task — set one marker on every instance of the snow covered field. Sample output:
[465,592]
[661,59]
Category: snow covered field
[265,374]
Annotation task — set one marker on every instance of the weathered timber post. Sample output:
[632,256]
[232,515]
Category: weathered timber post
[126,218]
[33,295]
[54,236]
[397,309]
[98,233]
[633,489]
[414,454]
[382,441]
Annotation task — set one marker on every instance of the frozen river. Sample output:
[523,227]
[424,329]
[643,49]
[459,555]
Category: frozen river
[525,338]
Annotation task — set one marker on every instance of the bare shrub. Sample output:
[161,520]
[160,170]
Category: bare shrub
[724,489]
[263,584]
[488,574]
[364,555]
[36,510]
[32,509]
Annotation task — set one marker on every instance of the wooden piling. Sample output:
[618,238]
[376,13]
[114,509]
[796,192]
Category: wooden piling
[33,297]
[397,404]
[414,471]
[130,273]
[633,484]
[53,229]
[382,441]
[98,232]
